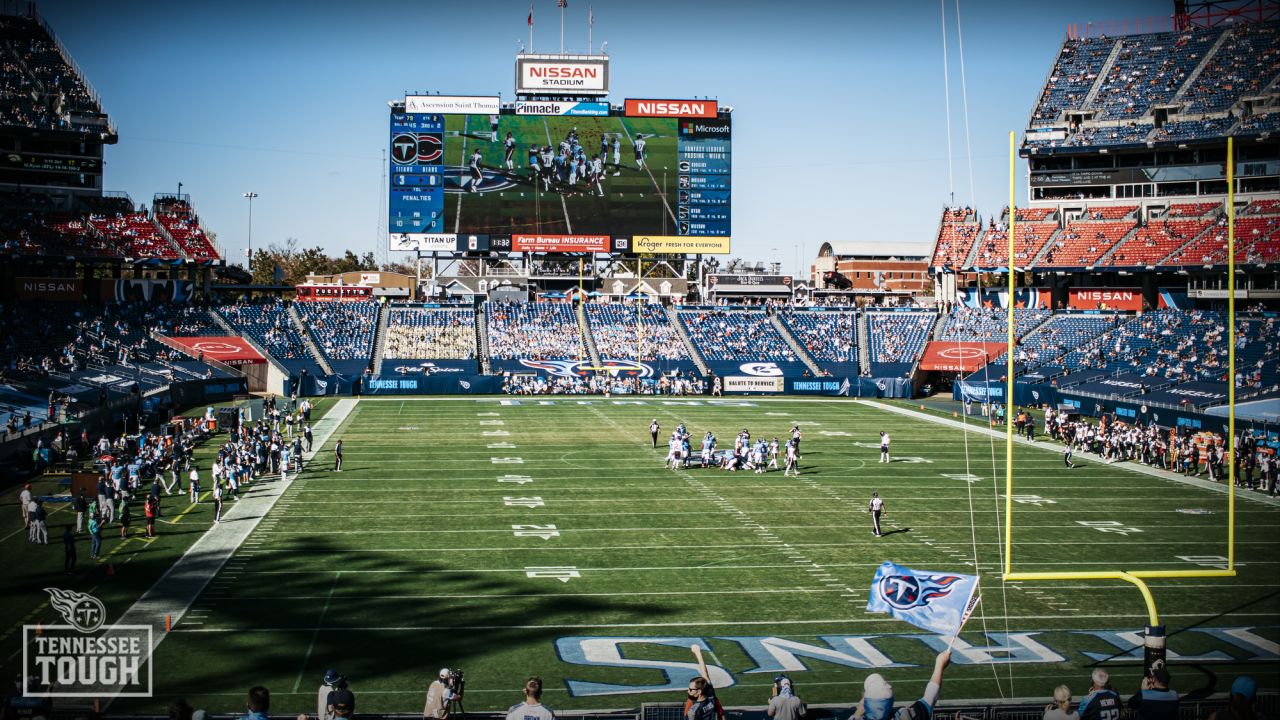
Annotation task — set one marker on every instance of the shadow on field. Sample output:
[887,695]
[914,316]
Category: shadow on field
[313,603]
[895,532]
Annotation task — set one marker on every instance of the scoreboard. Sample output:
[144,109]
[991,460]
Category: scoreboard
[576,177]
[416,193]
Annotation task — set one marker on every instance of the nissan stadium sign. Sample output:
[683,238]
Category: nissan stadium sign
[562,75]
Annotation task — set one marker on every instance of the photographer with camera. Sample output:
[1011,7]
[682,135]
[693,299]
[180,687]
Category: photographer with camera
[783,704]
[443,693]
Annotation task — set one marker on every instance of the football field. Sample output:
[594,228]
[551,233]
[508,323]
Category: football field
[510,537]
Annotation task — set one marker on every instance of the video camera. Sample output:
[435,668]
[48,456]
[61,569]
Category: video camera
[456,681]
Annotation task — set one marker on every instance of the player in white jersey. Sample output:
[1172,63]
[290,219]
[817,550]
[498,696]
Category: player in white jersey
[673,453]
[476,171]
[792,461]
[509,146]
[773,454]
[876,508]
[884,447]
[639,144]
[597,173]
[617,155]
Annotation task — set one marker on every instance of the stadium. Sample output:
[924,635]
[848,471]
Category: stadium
[554,440]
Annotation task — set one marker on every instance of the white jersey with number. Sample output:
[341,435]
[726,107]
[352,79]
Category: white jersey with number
[877,505]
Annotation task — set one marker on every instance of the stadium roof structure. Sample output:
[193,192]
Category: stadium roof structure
[871,249]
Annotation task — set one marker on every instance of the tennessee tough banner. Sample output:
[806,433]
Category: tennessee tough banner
[959,356]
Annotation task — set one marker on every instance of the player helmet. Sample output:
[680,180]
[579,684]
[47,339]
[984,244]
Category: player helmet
[875,494]
[444,673]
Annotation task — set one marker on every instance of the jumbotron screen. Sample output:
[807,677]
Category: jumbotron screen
[588,179]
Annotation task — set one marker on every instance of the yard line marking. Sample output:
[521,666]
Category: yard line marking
[319,623]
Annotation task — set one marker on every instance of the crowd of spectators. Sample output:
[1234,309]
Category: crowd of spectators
[343,330]
[618,334]
[38,88]
[986,324]
[603,384]
[828,337]
[430,334]
[534,330]
[898,337]
[736,335]
[268,323]
[1247,61]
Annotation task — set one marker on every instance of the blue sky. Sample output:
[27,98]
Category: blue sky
[839,121]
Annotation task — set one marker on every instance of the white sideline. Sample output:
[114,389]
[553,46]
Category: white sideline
[177,589]
[1044,445]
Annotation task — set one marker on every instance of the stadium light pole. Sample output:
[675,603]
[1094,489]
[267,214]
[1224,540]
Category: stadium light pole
[249,254]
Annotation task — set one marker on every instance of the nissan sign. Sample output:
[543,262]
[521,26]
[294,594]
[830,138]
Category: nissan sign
[562,75]
[672,108]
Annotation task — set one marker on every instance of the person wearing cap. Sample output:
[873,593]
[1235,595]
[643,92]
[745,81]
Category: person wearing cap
[1240,705]
[328,683]
[532,707]
[783,704]
[1102,702]
[877,696]
[438,696]
[341,701]
[1154,700]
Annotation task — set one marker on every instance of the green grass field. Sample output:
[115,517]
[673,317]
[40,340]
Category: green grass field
[419,555]
[633,200]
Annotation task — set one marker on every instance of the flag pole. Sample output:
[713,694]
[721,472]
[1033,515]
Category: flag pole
[591,22]
[562,6]
[530,26]
[969,604]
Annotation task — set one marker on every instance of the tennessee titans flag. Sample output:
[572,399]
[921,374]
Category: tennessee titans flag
[937,602]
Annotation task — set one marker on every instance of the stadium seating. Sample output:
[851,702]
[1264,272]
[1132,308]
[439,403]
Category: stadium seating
[537,331]
[430,334]
[1083,242]
[1149,69]
[342,330]
[31,67]
[956,235]
[1192,210]
[1194,129]
[135,235]
[270,326]
[1263,207]
[1172,344]
[184,227]
[614,330]
[1247,61]
[1078,65]
[1155,241]
[1029,238]
[1058,335]
[738,335]
[1256,242]
[898,337]
[828,336]
[1258,124]
[968,324]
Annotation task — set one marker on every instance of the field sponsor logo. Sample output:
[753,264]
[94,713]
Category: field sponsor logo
[736,383]
[571,109]
[672,108]
[761,655]
[676,245]
[424,242]
[452,104]
[761,369]
[85,657]
[578,368]
[588,76]
[560,243]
